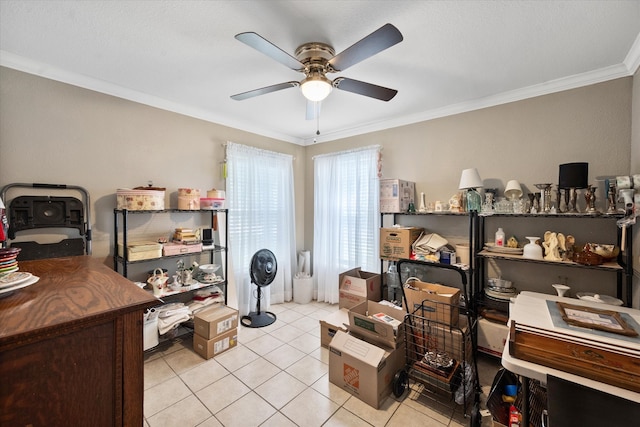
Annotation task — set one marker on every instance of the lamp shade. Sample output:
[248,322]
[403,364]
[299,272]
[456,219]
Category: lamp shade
[316,88]
[1,204]
[513,190]
[470,178]
[573,175]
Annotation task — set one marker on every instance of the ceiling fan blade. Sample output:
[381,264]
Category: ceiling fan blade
[366,89]
[264,90]
[313,109]
[381,39]
[263,45]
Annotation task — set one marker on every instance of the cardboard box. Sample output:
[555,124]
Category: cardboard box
[424,335]
[334,322]
[395,242]
[357,286]
[214,321]
[364,324]
[395,195]
[363,369]
[137,251]
[435,302]
[492,337]
[215,346]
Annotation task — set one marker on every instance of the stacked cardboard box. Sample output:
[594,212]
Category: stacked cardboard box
[215,330]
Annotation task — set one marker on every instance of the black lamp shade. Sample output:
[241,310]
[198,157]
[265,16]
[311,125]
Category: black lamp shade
[574,175]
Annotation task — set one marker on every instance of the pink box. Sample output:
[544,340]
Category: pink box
[177,248]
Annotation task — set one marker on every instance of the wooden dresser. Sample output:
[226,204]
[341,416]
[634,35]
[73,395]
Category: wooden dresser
[71,347]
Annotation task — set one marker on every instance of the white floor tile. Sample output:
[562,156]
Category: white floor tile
[264,344]
[222,393]
[256,372]
[236,358]
[204,374]
[281,389]
[156,371]
[185,413]
[308,370]
[277,376]
[183,360]
[164,395]
[310,409]
[249,410]
[284,356]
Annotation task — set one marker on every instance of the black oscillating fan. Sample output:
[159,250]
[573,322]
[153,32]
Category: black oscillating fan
[263,270]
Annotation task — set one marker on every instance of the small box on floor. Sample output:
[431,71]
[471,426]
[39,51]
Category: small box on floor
[213,321]
[357,286]
[492,337]
[338,321]
[377,323]
[215,346]
[363,369]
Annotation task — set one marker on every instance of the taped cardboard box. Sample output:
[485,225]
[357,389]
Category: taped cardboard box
[395,242]
[363,369]
[215,346]
[377,323]
[432,301]
[357,286]
[338,321]
[216,320]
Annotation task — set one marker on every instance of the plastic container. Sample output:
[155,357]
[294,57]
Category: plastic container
[302,290]
[211,203]
[393,282]
[499,242]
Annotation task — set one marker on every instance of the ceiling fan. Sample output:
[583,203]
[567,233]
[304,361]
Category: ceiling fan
[316,60]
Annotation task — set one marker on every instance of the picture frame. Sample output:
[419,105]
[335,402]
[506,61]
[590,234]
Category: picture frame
[594,318]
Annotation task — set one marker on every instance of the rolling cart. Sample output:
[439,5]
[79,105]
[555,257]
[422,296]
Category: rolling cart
[440,348]
[27,213]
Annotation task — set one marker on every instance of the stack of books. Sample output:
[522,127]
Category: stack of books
[186,236]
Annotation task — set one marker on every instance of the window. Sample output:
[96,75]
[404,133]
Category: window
[346,216]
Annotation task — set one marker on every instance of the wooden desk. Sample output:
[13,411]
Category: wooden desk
[71,347]
[530,308]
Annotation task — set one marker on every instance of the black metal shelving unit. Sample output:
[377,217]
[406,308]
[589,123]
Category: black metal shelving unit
[622,267]
[122,260]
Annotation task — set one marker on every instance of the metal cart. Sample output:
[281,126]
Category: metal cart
[440,348]
[37,212]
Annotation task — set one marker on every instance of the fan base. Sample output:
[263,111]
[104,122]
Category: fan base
[258,320]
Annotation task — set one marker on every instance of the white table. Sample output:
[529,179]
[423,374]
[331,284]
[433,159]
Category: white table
[530,308]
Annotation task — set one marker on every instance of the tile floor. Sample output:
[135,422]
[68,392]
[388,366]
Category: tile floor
[276,376]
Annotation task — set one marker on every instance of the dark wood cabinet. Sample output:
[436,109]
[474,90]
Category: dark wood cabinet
[71,347]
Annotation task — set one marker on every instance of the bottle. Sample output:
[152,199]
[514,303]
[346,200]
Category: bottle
[499,238]
[393,282]
[515,418]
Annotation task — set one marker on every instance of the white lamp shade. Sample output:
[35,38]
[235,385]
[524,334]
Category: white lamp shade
[316,88]
[470,178]
[1,204]
[513,190]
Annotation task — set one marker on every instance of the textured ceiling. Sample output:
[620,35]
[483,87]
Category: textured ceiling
[456,55]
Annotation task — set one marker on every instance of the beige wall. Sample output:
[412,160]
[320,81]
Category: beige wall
[56,133]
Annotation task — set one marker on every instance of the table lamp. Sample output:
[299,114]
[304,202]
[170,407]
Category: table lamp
[470,180]
[573,176]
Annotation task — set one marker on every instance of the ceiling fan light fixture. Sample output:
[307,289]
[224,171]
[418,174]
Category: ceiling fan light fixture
[316,88]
